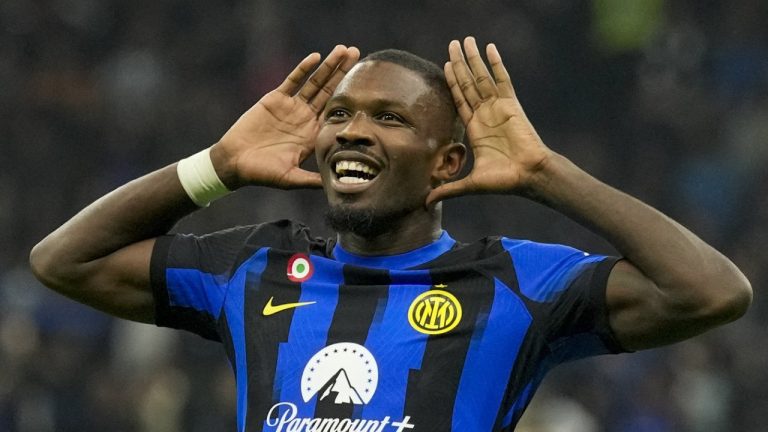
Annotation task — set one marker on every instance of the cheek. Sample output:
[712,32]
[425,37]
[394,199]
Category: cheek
[325,139]
[416,168]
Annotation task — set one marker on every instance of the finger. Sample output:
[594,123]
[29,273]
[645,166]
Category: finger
[323,72]
[322,96]
[300,178]
[465,111]
[450,190]
[298,74]
[500,74]
[463,75]
[485,84]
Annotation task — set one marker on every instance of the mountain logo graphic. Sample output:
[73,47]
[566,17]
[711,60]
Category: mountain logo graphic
[343,373]
[340,390]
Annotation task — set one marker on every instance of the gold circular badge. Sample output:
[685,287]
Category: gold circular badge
[434,312]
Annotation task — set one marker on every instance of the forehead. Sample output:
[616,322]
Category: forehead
[378,80]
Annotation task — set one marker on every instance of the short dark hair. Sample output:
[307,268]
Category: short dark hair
[431,73]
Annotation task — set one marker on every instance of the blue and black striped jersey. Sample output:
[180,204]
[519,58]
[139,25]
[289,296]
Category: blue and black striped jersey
[447,337]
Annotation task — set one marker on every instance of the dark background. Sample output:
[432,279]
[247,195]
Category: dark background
[667,100]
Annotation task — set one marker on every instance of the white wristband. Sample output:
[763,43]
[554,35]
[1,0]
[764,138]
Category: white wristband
[199,178]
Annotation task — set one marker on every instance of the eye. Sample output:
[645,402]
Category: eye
[390,117]
[336,114]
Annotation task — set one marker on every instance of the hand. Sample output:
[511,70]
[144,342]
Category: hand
[506,147]
[268,143]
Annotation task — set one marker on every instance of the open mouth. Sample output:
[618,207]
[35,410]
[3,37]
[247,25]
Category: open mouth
[354,172]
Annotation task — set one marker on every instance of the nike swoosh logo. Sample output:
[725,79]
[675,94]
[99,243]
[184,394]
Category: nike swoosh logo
[270,309]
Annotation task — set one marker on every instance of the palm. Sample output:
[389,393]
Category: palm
[268,143]
[275,136]
[505,146]
[507,149]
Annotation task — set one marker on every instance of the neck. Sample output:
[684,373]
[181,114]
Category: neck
[410,232]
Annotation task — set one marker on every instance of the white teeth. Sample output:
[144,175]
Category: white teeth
[352,180]
[342,166]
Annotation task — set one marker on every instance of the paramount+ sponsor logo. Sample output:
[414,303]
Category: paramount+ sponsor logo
[341,374]
[288,422]
[435,312]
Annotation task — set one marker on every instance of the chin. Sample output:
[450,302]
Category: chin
[363,221]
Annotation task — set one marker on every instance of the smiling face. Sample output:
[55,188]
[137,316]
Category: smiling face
[383,145]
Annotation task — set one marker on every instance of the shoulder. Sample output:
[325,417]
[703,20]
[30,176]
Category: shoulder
[238,243]
[463,254]
[282,234]
[528,252]
[504,247]
[539,269]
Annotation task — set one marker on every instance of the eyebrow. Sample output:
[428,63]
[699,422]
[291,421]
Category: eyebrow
[376,102]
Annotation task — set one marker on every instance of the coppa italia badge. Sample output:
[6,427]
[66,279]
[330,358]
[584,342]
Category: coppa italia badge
[299,268]
[435,312]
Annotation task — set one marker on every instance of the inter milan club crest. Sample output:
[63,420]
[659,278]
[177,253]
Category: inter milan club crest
[299,268]
[435,312]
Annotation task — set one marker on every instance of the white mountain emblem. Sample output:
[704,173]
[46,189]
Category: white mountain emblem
[342,373]
[340,386]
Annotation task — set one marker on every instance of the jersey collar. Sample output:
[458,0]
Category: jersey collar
[401,261]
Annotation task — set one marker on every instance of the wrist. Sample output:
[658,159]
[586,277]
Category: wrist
[548,172]
[199,178]
[226,168]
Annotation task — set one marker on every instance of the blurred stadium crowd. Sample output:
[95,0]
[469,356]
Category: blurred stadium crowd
[667,100]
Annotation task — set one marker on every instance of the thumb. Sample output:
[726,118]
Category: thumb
[449,190]
[300,178]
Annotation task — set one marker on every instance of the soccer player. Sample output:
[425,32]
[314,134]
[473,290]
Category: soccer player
[393,325]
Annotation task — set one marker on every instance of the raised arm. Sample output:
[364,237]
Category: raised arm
[101,257]
[671,284]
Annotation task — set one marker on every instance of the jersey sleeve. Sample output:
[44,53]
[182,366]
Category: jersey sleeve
[566,290]
[189,276]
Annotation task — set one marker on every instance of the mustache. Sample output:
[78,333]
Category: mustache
[353,147]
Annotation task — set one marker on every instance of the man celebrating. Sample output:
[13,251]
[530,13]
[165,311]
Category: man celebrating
[394,325]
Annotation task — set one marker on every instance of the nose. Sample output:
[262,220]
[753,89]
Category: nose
[357,131]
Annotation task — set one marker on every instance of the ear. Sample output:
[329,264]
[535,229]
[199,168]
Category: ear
[449,161]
